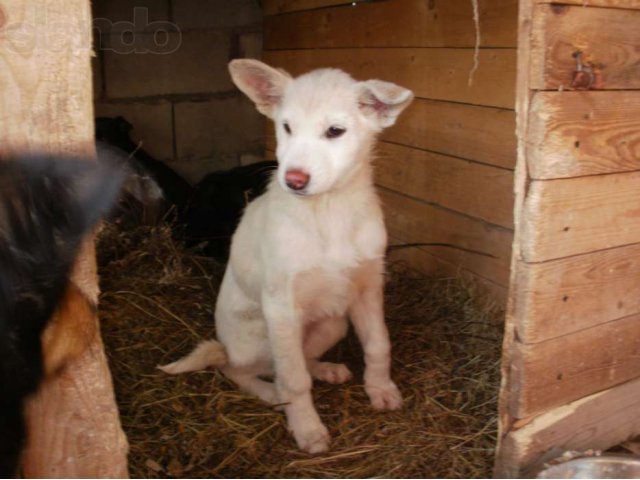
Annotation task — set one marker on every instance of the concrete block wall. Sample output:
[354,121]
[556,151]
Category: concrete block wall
[162,64]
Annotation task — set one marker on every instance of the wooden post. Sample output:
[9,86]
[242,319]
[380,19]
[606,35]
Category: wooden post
[46,107]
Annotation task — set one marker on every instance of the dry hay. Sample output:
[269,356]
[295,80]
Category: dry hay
[157,303]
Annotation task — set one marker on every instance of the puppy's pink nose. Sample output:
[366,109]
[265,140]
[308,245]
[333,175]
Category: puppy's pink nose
[296,179]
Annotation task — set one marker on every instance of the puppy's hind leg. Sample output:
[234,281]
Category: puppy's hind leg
[319,338]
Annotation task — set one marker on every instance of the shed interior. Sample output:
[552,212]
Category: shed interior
[446,172]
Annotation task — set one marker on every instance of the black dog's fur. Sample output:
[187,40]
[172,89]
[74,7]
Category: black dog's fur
[47,205]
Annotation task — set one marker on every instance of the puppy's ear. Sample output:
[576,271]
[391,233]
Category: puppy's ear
[260,82]
[382,102]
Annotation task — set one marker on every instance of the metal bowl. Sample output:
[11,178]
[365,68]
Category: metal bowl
[605,466]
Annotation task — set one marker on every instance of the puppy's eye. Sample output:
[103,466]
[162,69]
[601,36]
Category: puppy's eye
[287,128]
[334,132]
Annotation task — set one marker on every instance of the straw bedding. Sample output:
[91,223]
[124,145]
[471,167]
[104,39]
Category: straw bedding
[157,303]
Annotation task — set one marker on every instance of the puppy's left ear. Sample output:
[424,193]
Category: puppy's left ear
[382,102]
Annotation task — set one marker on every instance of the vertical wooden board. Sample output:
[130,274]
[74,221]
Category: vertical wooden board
[579,215]
[477,246]
[45,78]
[564,369]
[274,7]
[584,133]
[596,422]
[46,108]
[607,38]
[400,23]
[473,189]
[434,73]
[74,432]
[563,296]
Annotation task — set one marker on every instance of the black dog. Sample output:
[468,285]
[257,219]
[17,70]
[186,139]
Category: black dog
[47,205]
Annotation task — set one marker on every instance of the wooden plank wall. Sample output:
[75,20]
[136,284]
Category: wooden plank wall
[445,171]
[572,345]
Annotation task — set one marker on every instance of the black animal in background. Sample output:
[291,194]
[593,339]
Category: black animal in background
[47,205]
[207,214]
[116,131]
[217,205]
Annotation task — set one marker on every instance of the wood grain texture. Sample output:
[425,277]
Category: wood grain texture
[444,72]
[473,189]
[580,215]
[74,430]
[274,7]
[412,221]
[565,369]
[608,39]
[46,98]
[564,296]
[633,4]
[397,23]
[594,422]
[584,133]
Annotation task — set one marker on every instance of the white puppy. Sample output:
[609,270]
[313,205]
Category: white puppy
[310,251]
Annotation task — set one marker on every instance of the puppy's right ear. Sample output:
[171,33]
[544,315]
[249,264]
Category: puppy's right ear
[260,82]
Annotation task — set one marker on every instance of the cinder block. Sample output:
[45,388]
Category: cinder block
[198,64]
[217,128]
[216,13]
[138,15]
[151,122]
[250,45]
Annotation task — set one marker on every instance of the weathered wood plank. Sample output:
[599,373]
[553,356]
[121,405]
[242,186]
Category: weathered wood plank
[274,7]
[474,189]
[633,4]
[487,247]
[47,107]
[445,72]
[483,134]
[567,368]
[584,133]
[400,23]
[608,39]
[564,296]
[579,215]
[596,422]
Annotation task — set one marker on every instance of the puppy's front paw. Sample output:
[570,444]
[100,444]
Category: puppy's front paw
[330,372]
[384,396]
[312,440]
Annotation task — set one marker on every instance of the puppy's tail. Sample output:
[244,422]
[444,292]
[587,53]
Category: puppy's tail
[209,353]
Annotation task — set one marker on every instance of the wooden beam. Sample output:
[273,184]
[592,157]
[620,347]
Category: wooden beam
[470,188]
[448,70]
[481,248]
[46,98]
[584,133]
[580,215]
[401,23]
[564,369]
[563,296]
[595,422]
[607,39]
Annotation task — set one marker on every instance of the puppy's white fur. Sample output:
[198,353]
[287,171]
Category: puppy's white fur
[302,261]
